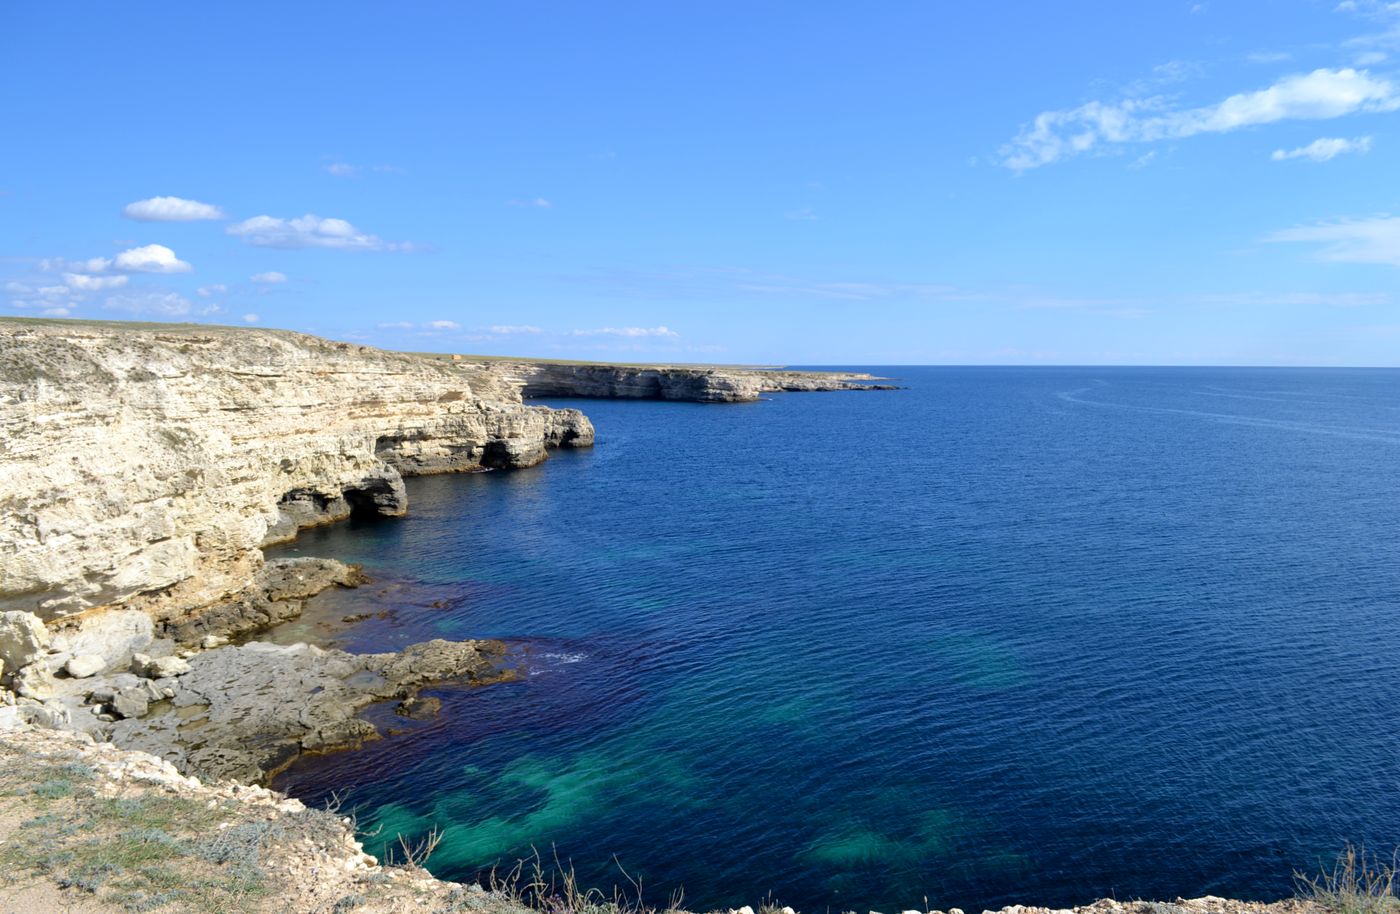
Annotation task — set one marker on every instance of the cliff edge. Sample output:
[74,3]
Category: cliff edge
[145,465]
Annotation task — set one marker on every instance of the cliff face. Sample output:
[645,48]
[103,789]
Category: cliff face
[146,466]
[706,385]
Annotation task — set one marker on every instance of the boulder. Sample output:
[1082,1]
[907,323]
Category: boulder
[167,667]
[23,639]
[134,702]
[159,667]
[84,665]
[34,681]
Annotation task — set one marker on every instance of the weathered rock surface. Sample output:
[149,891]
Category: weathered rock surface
[276,594]
[145,466]
[22,639]
[245,712]
[664,382]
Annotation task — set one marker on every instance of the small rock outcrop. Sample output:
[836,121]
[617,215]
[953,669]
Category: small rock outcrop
[245,712]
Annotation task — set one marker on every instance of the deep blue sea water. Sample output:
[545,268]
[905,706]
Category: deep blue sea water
[1009,635]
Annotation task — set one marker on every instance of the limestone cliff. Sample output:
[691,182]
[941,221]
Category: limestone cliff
[669,382]
[144,465]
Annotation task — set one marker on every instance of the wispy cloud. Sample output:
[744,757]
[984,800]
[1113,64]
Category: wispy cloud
[1324,149]
[507,330]
[633,332]
[1320,95]
[1303,299]
[207,291]
[161,302]
[1370,240]
[82,282]
[537,203]
[171,209]
[268,278]
[251,318]
[310,231]
[346,170]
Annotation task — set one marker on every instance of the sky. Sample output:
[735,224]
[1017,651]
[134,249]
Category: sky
[809,183]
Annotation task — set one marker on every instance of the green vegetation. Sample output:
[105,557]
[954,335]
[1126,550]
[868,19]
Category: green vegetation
[1357,883]
[141,852]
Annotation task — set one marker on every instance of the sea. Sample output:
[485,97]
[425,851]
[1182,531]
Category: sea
[1006,635]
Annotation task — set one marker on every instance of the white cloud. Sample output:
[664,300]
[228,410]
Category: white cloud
[805,214]
[1143,160]
[59,265]
[1319,95]
[81,282]
[310,231]
[1324,149]
[629,332]
[346,170]
[443,325]
[504,330]
[1373,240]
[171,209]
[251,318]
[395,325]
[150,258]
[149,301]
[207,291]
[271,276]
[538,203]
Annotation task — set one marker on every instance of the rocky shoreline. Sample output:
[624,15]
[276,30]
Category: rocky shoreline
[142,471]
[695,384]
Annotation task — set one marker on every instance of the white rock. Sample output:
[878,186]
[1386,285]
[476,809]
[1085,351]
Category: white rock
[23,638]
[113,635]
[34,681]
[167,667]
[84,665]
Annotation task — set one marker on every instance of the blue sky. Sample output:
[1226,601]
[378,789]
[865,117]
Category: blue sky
[803,183]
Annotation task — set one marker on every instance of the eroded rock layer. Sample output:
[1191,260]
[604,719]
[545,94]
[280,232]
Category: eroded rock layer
[145,465]
[705,385]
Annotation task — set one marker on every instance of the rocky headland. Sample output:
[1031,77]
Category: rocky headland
[674,382]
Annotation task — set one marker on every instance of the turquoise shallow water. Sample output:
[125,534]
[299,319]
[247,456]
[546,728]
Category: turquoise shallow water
[1010,635]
